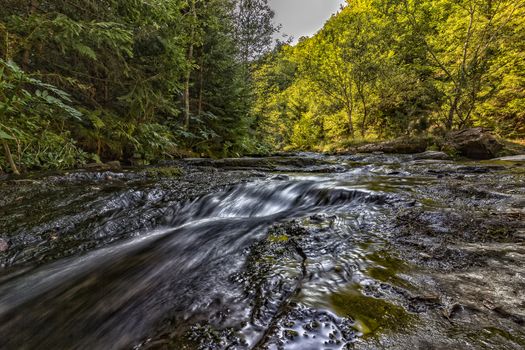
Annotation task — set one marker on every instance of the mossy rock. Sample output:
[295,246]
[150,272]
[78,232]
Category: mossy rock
[166,172]
[474,143]
[371,315]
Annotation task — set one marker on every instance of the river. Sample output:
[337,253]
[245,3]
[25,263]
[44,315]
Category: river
[303,252]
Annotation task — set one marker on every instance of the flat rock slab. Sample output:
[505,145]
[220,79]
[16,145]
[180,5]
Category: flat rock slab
[431,155]
[518,158]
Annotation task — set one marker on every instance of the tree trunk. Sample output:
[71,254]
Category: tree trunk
[188,73]
[349,114]
[187,91]
[201,85]
[99,146]
[365,113]
[9,158]
[462,76]
[450,119]
[27,50]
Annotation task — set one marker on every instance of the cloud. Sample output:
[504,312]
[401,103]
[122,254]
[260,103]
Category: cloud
[303,17]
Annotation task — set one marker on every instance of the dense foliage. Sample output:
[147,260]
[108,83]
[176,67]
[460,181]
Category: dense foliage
[385,68]
[145,80]
[135,80]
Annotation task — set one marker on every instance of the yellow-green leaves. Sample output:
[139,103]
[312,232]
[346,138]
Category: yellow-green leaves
[388,68]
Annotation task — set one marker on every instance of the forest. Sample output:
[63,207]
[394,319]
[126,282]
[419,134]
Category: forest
[381,69]
[185,175]
[141,81]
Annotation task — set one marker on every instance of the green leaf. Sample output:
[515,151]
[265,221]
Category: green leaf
[5,136]
[86,51]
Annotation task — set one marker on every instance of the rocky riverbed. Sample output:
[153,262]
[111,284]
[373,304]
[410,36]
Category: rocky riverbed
[290,252]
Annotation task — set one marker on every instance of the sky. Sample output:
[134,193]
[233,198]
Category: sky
[303,17]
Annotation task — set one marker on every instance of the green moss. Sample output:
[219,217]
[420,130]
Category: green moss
[394,184]
[385,259]
[385,268]
[164,172]
[508,167]
[450,150]
[511,148]
[433,147]
[278,238]
[429,202]
[291,334]
[371,315]
[493,332]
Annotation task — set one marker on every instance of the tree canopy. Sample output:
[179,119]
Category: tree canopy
[145,80]
[387,68]
[137,80]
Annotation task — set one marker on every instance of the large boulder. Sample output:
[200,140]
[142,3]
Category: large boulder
[475,143]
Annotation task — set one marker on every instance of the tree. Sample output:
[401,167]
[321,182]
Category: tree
[462,47]
[254,28]
[152,78]
[22,98]
[192,15]
[389,68]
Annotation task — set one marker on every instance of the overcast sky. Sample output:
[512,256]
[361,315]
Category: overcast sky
[303,17]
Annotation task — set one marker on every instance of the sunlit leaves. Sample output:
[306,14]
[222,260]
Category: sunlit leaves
[396,67]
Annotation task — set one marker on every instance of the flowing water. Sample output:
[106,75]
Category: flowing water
[286,261]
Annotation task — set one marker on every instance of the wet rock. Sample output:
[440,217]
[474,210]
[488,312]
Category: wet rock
[431,155]
[95,166]
[322,217]
[291,163]
[164,172]
[401,146]
[258,174]
[475,143]
[314,329]
[114,165]
[320,169]
[4,246]
[518,158]
[479,169]
[280,177]
[328,279]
